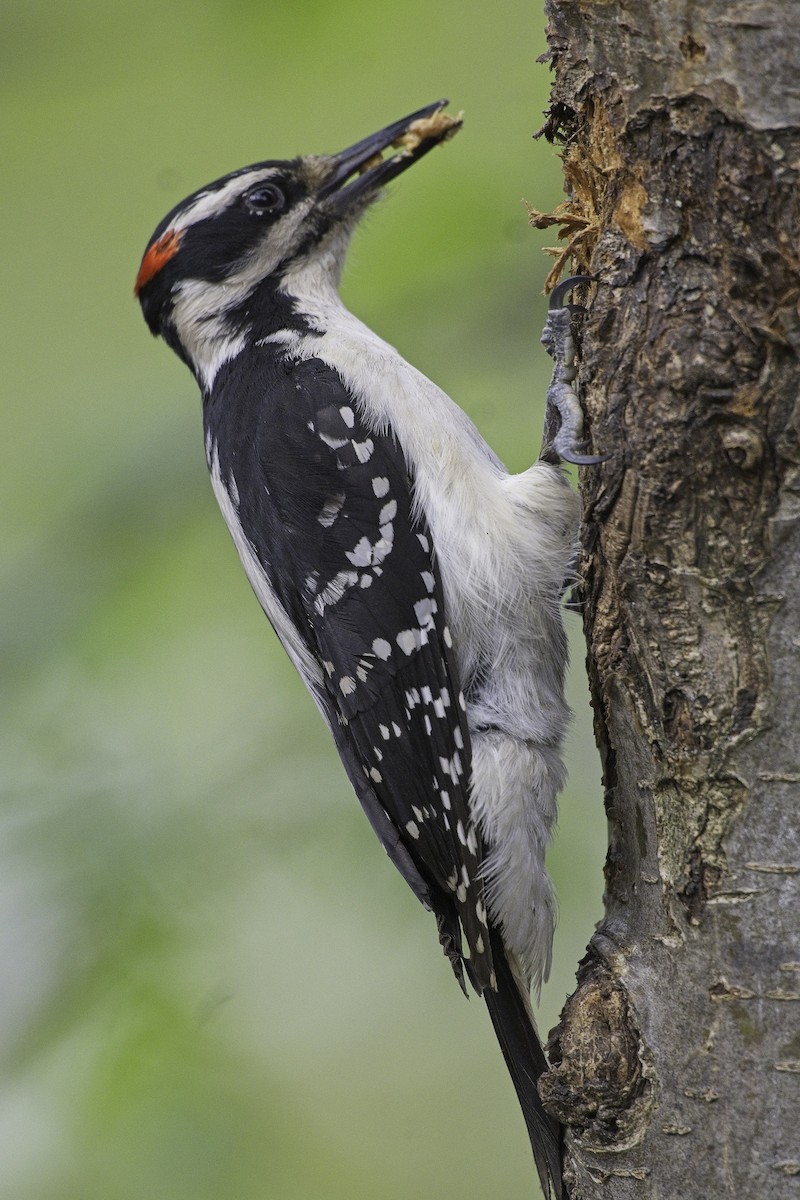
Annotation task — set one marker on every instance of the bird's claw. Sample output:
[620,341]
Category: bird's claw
[570,455]
[564,288]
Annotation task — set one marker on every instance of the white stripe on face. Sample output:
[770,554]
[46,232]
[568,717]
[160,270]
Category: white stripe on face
[212,203]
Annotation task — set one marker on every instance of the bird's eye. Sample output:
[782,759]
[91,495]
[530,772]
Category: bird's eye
[265,198]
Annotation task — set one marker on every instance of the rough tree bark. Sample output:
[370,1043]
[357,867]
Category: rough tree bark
[677,1060]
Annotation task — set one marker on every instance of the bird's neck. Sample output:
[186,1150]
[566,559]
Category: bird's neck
[213,324]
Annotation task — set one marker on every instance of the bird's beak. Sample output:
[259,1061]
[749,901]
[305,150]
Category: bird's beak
[362,169]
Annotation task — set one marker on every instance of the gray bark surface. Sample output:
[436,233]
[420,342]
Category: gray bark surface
[677,1061]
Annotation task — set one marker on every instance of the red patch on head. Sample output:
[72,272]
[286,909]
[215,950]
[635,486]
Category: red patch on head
[157,256]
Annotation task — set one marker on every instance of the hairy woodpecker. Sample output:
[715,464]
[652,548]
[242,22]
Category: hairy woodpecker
[414,583]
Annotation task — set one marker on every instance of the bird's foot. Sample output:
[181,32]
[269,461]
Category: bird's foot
[566,439]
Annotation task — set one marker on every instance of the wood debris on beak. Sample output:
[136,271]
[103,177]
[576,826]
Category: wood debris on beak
[439,125]
[375,161]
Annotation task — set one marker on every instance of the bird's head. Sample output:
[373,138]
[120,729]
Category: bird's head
[227,253]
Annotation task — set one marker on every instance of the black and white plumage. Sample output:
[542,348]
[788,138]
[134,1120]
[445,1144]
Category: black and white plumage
[414,583]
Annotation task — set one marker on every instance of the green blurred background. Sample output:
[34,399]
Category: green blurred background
[212,985]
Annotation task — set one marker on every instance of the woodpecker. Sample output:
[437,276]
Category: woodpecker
[414,582]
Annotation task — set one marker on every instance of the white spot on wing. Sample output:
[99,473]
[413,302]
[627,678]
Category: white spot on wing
[361,556]
[331,509]
[407,641]
[424,610]
[384,545]
[334,591]
[335,443]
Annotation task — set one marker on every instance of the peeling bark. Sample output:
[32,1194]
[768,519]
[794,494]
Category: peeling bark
[677,1061]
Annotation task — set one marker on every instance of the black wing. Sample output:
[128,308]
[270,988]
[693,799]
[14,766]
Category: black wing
[327,506]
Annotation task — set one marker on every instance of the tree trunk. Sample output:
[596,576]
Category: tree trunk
[677,1059]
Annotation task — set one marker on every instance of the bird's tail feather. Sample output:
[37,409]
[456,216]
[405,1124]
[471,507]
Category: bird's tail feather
[525,1061]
